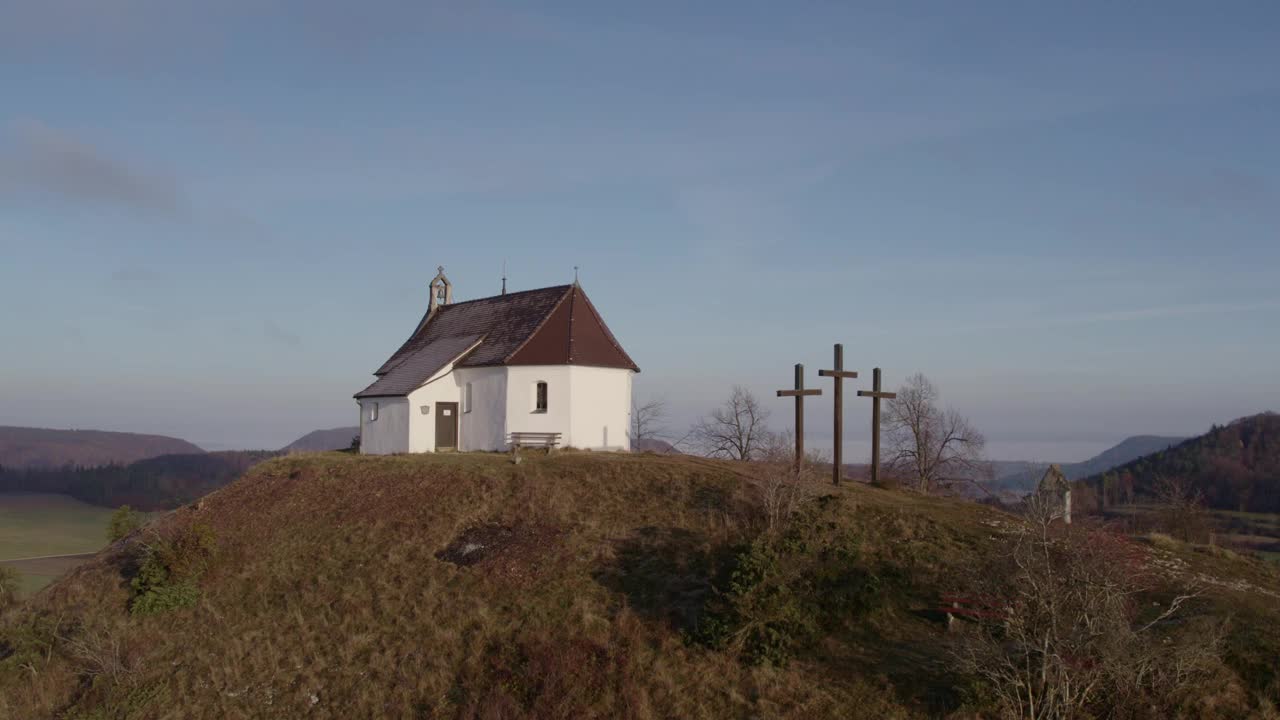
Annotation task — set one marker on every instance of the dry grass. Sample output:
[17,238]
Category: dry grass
[333,595]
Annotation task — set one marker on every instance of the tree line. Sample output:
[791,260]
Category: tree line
[1233,467]
[158,483]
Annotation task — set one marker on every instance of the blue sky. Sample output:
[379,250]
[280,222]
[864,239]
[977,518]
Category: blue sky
[217,219]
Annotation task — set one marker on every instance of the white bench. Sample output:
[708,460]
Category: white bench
[548,440]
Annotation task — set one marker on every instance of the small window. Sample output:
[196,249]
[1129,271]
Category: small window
[373,411]
[540,404]
[466,399]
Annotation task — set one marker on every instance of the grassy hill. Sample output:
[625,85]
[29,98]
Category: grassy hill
[23,447]
[1236,467]
[572,585]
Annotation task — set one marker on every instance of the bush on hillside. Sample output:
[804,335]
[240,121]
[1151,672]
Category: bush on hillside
[123,521]
[8,587]
[783,590]
[170,569]
[1074,632]
[32,639]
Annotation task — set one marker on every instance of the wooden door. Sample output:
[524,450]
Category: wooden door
[446,426]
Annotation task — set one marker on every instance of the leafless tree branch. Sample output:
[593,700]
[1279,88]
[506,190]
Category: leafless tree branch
[929,444]
[648,421]
[737,429]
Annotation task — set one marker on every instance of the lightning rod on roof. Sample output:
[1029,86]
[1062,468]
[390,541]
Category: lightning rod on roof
[504,277]
[575,274]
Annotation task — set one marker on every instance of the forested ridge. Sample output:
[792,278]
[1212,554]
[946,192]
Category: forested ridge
[1234,467]
[157,483]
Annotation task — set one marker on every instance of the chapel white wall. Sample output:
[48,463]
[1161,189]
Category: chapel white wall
[443,387]
[389,433]
[522,396]
[484,426]
[590,407]
[600,412]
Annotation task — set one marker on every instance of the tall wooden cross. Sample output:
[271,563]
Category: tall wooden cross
[799,393]
[839,373]
[876,396]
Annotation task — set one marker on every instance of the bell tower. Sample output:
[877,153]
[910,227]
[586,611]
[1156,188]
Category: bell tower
[441,291]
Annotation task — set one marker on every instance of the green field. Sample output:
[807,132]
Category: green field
[35,574]
[34,525]
[1242,531]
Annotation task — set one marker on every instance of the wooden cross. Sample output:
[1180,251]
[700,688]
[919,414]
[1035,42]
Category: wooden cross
[799,393]
[839,373]
[876,396]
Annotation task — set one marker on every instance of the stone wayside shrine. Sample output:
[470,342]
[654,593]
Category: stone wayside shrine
[488,373]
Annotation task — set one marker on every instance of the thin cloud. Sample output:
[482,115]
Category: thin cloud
[1127,315]
[38,160]
[280,335]
[1225,190]
[141,288]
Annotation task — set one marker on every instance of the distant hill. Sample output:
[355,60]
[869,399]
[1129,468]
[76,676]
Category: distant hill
[1026,478]
[1003,469]
[23,447]
[653,445]
[1236,466]
[157,483]
[316,440]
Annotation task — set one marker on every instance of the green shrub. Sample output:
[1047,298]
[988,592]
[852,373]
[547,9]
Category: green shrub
[123,521]
[8,587]
[31,639]
[170,569]
[762,610]
[162,598]
[780,592]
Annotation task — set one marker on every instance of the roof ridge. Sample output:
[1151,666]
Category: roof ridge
[569,336]
[507,295]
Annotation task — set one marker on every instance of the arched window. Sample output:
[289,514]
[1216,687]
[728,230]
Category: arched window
[373,411]
[540,397]
[466,399]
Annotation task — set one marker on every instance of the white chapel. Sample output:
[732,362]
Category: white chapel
[475,375]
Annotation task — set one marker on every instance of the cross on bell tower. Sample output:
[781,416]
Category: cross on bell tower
[441,291]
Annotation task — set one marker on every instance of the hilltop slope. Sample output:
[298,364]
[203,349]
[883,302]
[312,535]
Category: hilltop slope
[23,447]
[571,585]
[1236,466]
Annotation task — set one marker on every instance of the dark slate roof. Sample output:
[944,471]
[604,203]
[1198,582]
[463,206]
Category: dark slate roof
[551,326]
[417,367]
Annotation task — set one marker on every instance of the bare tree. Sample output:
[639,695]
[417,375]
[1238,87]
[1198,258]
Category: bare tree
[737,429]
[648,421]
[781,490]
[1066,635]
[1180,509]
[928,444]
[101,653]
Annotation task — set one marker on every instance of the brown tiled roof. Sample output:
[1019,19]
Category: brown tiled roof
[548,326]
